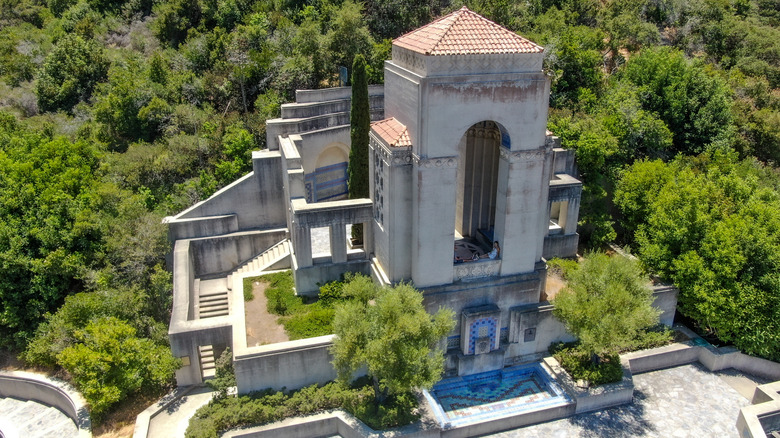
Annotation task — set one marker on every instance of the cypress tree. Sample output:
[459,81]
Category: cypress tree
[360,124]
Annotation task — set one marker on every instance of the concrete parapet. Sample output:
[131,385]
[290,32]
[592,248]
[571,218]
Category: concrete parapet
[335,93]
[595,398]
[200,226]
[560,245]
[285,365]
[763,416]
[256,200]
[30,386]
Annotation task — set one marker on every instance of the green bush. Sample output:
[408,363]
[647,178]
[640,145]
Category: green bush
[580,367]
[331,293]
[267,406]
[562,267]
[316,322]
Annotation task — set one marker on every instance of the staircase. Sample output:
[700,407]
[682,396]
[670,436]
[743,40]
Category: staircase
[207,365]
[27,418]
[267,260]
[213,298]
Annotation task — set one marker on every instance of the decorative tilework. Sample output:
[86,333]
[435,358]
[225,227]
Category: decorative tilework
[481,328]
[512,391]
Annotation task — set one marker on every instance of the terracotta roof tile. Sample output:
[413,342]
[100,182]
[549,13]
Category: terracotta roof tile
[465,32]
[393,132]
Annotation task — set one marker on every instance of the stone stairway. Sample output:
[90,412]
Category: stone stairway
[266,260]
[26,418]
[207,365]
[213,298]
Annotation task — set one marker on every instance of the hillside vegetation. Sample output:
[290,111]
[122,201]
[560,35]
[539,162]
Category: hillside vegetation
[114,114]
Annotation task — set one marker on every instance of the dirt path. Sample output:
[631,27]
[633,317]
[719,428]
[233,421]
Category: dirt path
[261,326]
[554,284]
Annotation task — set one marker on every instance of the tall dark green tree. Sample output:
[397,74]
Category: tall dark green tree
[360,124]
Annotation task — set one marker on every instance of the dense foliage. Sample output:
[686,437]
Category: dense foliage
[116,113]
[262,407]
[607,304]
[391,336]
[712,225]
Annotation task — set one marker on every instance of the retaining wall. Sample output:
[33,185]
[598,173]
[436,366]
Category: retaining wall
[39,388]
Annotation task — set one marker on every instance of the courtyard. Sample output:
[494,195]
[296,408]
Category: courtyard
[684,401]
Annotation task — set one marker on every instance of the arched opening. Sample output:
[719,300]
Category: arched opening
[477,182]
[328,182]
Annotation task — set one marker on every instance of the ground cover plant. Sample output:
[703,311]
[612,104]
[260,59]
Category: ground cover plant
[307,317]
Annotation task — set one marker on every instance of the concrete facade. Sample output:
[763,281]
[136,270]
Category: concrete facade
[459,157]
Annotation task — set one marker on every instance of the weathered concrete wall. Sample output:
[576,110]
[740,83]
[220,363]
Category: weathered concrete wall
[256,200]
[308,279]
[560,245]
[665,299]
[546,330]
[290,365]
[222,254]
[504,292]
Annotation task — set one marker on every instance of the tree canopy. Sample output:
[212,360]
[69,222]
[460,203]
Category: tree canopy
[393,337]
[606,304]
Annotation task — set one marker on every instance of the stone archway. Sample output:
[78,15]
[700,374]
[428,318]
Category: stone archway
[477,180]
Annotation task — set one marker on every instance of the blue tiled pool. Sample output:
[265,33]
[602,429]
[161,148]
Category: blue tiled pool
[458,401]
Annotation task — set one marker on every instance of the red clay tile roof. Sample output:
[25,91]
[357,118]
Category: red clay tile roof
[393,132]
[465,32]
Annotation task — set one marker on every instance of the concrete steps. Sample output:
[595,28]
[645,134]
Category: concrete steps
[265,261]
[213,298]
[26,418]
[207,364]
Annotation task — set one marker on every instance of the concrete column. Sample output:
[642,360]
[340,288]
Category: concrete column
[302,245]
[338,243]
[572,215]
[522,209]
[433,219]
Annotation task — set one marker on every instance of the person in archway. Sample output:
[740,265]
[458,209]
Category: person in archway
[494,253]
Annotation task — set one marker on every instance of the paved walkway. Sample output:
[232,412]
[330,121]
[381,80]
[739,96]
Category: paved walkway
[685,401]
[27,419]
[173,421]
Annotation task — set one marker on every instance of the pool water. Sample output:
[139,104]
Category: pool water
[497,394]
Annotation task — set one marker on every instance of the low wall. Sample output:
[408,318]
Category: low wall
[256,200]
[598,397]
[39,388]
[225,253]
[289,365]
[309,279]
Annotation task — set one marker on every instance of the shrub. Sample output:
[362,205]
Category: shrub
[267,406]
[578,364]
[316,322]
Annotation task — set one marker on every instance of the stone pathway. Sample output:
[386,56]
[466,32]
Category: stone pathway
[26,418]
[173,421]
[685,401]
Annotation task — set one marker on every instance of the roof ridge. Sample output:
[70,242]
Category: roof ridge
[465,32]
